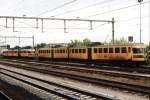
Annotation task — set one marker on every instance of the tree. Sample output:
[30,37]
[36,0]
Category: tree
[86,42]
[120,41]
[78,43]
[27,47]
[42,45]
[75,43]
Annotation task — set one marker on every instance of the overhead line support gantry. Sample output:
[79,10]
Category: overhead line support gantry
[61,19]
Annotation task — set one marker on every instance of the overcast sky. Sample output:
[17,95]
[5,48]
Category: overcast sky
[125,12]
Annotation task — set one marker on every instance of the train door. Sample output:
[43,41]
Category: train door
[89,53]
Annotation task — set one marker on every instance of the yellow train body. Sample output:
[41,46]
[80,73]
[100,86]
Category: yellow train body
[129,52]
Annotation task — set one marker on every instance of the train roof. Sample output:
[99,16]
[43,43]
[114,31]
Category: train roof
[133,44]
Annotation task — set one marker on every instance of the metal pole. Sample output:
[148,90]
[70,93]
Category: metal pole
[65,26]
[113,30]
[13,24]
[140,25]
[149,22]
[140,1]
[5,40]
[42,25]
[33,41]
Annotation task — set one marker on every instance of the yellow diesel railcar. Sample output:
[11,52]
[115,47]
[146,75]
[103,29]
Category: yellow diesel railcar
[45,53]
[27,53]
[80,53]
[60,53]
[131,52]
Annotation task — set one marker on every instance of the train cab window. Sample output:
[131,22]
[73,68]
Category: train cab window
[105,50]
[95,50]
[99,50]
[117,50]
[138,50]
[110,50]
[83,50]
[76,50]
[80,50]
[123,50]
[129,49]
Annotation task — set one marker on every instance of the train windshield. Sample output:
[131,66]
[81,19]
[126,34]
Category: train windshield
[138,50]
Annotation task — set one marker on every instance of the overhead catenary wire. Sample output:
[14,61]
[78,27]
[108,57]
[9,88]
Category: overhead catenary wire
[82,8]
[58,7]
[110,11]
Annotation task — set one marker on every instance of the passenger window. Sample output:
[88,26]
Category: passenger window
[117,50]
[63,51]
[83,50]
[95,50]
[60,51]
[105,50]
[110,50]
[123,50]
[72,50]
[76,50]
[80,50]
[99,50]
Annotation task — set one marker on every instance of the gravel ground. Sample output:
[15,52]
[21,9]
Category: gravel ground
[123,95]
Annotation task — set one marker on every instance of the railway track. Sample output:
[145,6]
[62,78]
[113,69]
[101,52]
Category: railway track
[60,91]
[105,66]
[89,70]
[95,80]
[3,96]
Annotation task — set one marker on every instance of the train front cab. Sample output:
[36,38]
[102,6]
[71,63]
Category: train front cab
[139,54]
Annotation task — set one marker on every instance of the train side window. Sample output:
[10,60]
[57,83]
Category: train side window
[110,50]
[72,50]
[99,50]
[80,50]
[129,49]
[105,50]
[83,51]
[95,50]
[123,50]
[63,51]
[76,50]
[117,50]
